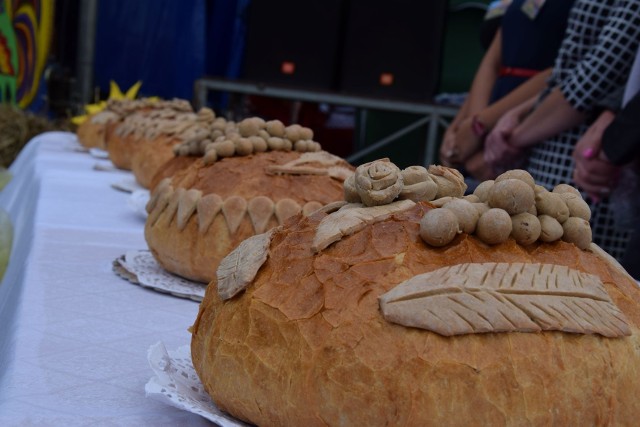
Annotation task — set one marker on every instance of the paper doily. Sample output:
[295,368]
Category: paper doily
[141,268]
[176,383]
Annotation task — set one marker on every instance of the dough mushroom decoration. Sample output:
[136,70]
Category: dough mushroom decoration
[348,308]
[219,192]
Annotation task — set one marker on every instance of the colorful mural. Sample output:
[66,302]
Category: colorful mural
[25,37]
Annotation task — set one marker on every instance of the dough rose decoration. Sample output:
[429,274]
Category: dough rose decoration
[381,182]
[378,182]
[450,181]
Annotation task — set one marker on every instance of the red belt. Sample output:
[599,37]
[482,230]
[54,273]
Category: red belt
[517,72]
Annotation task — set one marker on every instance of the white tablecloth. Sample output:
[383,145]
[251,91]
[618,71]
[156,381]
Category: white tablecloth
[73,335]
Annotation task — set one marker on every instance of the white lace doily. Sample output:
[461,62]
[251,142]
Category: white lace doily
[137,201]
[176,383]
[141,268]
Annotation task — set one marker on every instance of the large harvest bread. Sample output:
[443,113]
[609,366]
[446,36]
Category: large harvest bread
[298,328]
[141,125]
[92,133]
[199,214]
[96,130]
[157,146]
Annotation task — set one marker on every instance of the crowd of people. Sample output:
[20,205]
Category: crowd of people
[557,94]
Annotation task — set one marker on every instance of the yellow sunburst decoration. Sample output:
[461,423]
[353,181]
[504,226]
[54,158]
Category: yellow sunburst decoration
[114,93]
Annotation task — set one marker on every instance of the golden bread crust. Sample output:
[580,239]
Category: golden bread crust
[150,156]
[306,344]
[194,254]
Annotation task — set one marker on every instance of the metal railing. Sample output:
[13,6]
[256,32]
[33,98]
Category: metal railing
[434,116]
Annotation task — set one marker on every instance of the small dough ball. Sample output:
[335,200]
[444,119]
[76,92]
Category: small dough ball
[472,198]
[552,204]
[306,133]
[210,157]
[225,148]
[512,195]
[494,226]
[525,228]
[466,213]
[438,227]
[302,145]
[481,208]
[275,143]
[577,206]
[264,134]
[183,150]
[566,188]
[577,231]
[482,190]
[293,133]
[220,123]
[233,135]
[244,147]
[287,145]
[539,189]
[275,128]
[248,127]
[216,133]
[438,203]
[550,229]
[520,174]
[259,144]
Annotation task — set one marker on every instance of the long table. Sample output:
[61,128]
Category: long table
[73,335]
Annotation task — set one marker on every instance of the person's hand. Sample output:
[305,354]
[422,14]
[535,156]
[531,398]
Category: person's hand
[448,150]
[499,153]
[593,172]
[478,168]
[467,141]
[459,144]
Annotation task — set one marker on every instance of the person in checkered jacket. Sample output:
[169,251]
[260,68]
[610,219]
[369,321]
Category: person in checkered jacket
[589,74]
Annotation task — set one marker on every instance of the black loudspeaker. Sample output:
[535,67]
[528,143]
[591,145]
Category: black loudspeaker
[294,42]
[393,48]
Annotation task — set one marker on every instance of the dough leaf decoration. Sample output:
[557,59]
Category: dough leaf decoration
[352,218]
[234,209]
[504,297]
[240,267]
[261,209]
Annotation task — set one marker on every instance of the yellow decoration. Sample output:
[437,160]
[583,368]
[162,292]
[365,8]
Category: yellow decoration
[114,93]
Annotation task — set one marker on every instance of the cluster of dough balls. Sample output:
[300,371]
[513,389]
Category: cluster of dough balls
[381,182]
[124,107]
[251,135]
[513,206]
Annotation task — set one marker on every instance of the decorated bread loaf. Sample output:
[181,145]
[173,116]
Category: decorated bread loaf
[365,314]
[167,129]
[145,124]
[236,187]
[95,131]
